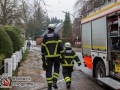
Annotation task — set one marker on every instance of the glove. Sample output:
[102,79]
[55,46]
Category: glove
[44,62]
[79,64]
[44,66]
[43,58]
[62,58]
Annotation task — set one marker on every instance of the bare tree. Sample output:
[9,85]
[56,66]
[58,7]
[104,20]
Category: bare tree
[37,17]
[18,11]
[85,6]
[8,12]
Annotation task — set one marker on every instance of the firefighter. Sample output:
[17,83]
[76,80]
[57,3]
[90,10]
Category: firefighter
[52,49]
[68,63]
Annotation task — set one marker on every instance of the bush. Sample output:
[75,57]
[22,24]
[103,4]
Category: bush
[21,41]
[15,39]
[2,57]
[6,46]
[14,34]
[17,29]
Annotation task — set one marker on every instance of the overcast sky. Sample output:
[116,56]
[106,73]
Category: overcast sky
[56,6]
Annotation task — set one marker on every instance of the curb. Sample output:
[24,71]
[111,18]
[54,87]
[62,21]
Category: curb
[91,78]
[39,88]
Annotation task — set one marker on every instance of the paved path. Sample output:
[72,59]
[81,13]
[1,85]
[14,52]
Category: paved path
[32,68]
[80,81]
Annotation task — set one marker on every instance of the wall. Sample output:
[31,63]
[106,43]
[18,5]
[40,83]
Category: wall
[39,41]
[60,33]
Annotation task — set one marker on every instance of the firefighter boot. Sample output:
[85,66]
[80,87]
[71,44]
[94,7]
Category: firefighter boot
[55,84]
[68,84]
[49,87]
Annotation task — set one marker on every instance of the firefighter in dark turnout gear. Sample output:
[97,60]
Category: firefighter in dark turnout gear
[68,63]
[51,49]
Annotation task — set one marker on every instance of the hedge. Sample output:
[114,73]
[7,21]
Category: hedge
[6,46]
[14,34]
[21,41]
[15,40]
[17,29]
[2,57]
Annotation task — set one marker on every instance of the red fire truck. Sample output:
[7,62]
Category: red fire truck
[101,43]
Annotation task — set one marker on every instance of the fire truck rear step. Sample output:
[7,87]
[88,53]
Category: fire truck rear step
[110,82]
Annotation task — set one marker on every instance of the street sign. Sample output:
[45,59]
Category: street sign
[77,43]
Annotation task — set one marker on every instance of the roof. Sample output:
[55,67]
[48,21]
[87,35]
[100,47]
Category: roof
[58,27]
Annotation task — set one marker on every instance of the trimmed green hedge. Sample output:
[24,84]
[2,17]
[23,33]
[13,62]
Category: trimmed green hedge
[15,39]
[2,57]
[14,34]
[21,41]
[18,30]
[6,46]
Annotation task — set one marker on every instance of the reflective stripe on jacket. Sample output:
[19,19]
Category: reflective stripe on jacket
[52,45]
[70,56]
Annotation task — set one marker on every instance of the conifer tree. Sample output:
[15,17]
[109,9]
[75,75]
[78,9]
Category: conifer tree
[67,27]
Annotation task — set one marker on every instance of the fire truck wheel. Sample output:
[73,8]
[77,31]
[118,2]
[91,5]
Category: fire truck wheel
[100,72]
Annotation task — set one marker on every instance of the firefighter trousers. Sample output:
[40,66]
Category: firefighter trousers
[67,73]
[50,63]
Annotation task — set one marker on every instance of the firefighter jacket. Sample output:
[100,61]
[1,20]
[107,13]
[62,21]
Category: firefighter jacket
[52,45]
[70,56]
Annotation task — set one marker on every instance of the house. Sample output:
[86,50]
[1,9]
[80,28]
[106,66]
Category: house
[76,29]
[58,30]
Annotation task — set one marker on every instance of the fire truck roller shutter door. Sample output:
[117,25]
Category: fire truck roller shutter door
[86,39]
[99,34]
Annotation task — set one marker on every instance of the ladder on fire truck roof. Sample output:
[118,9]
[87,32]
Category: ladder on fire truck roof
[103,10]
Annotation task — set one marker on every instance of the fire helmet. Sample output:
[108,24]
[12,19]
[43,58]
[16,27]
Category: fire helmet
[51,27]
[67,45]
